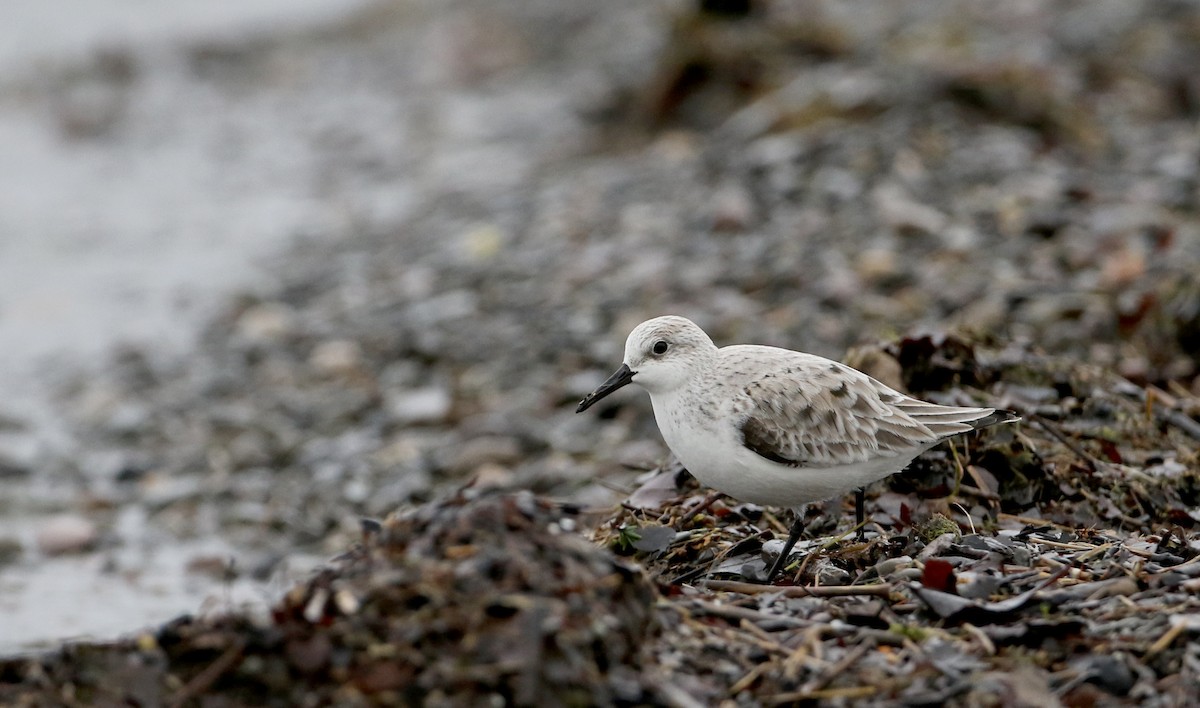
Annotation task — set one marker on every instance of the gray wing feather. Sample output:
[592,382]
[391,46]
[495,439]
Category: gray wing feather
[807,411]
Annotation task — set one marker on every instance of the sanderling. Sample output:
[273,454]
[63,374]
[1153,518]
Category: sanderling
[778,427]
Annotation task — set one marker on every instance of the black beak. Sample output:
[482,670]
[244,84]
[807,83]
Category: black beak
[619,378]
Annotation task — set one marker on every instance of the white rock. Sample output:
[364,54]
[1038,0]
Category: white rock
[268,322]
[336,356]
[420,405]
[66,533]
[901,211]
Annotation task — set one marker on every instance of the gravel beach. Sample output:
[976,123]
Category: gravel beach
[986,203]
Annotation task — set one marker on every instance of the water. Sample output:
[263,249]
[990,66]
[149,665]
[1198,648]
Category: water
[133,194]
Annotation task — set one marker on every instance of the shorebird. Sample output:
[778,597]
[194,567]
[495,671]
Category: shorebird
[779,427]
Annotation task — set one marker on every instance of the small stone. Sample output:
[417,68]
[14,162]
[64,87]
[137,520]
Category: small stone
[128,418]
[903,213]
[732,209]
[827,573]
[420,406]
[1122,267]
[483,242]
[937,546]
[887,566]
[314,609]
[66,533]
[336,357]
[490,476]
[265,323]
[214,566]
[494,449]
[347,603]
[874,264]
[356,491]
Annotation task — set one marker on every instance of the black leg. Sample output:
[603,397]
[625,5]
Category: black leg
[793,536]
[860,512]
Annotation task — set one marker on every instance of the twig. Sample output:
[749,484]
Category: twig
[1096,551]
[691,574]
[799,571]
[1062,546]
[877,590]
[747,680]
[981,483]
[984,640]
[705,504]
[843,535]
[958,469]
[827,693]
[815,688]
[1177,418]
[1138,551]
[1031,521]
[775,523]
[1092,463]
[803,564]
[810,647]
[673,695]
[744,613]
[850,659]
[1189,568]
[206,678]
[763,638]
[966,514]
[1166,639]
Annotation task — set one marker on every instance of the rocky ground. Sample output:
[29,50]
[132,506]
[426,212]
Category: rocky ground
[989,203]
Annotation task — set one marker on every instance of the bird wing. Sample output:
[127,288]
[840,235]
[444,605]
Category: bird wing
[807,411]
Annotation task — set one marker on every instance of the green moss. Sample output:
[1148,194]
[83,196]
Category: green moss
[917,634]
[935,526]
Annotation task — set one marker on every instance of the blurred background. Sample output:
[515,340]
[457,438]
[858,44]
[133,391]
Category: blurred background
[270,267]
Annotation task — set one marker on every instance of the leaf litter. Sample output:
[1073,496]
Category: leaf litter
[1022,566]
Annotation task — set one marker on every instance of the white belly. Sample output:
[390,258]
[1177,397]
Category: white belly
[716,456]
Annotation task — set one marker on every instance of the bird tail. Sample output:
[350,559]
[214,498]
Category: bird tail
[996,417]
[948,421]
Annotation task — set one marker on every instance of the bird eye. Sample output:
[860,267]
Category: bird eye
[660,347]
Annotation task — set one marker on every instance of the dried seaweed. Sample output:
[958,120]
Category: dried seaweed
[462,602]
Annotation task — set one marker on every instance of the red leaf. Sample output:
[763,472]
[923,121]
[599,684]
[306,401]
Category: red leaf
[1110,451]
[938,575]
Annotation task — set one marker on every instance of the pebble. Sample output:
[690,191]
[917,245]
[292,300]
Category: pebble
[902,212]
[266,323]
[732,209]
[887,566]
[491,476]
[66,533]
[419,406]
[215,566]
[336,357]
